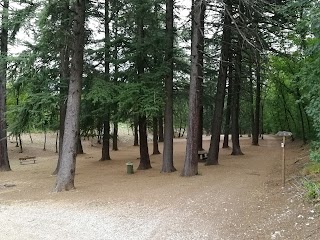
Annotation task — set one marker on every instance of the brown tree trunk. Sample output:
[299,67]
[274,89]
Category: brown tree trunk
[228,114]
[64,79]
[106,141]
[213,154]
[161,134]
[235,102]
[79,145]
[106,123]
[201,76]
[155,136]
[135,132]
[255,135]
[191,161]
[115,137]
[144,151]
[66,173]
[4,159]
[167,161]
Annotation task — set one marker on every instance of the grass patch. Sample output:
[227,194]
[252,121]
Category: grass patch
[312,168]
[312,190]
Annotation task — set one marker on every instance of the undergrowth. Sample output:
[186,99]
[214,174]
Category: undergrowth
[312,170]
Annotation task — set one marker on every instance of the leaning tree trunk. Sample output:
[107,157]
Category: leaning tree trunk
[4,159]
[191,161]
[167,161]
[66,173]
[213,154]
[144,152]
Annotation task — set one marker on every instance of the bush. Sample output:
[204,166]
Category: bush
[313,190]
[315,152]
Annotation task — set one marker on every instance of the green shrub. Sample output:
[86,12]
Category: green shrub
[315,152]
[313,190]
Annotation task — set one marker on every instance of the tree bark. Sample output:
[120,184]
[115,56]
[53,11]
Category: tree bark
[105,142]
[115,137]
[64,79]
[191,161]
[135,132]
[4,159]
[106,124]
[255,136]
[144,151]
[235,105]
[228,114]
[155,136]
[167,161]
[201,76]
[161,134]
[213,154]
[66,173]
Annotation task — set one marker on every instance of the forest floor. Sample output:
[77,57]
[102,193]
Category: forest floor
[242,198]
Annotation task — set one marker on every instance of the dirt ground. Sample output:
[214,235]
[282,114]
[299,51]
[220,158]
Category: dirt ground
[242,198]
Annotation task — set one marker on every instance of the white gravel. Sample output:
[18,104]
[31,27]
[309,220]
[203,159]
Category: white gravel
[115,221]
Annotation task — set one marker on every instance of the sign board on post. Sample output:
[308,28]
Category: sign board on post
[283,134]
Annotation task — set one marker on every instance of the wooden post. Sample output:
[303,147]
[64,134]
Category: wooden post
[283,161]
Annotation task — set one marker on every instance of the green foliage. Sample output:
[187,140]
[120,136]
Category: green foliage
[315,152]
[312,189]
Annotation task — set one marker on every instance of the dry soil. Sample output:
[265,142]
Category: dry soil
[242,198]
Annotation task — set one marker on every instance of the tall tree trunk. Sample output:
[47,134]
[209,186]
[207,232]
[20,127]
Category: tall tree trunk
[235,106]
[191,161]
[144,152]
[135,132]
[201,76]
[255,135]
[142,119]
[115,136]
[155,135]
[106,124]
[66,173]
[161,134]
[167,162]
[213,154]
[105,142]
[251,99]
[116,73]
[64,79]
[45,140]
[20,143]
[4,159]
[57,137]
[228,114]
[79,145]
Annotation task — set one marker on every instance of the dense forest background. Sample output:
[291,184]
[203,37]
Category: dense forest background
[218,67]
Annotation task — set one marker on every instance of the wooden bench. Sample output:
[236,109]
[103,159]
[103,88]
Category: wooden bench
[203,155]
[27,159]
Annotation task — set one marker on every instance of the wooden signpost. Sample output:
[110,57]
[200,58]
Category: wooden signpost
[283,134]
